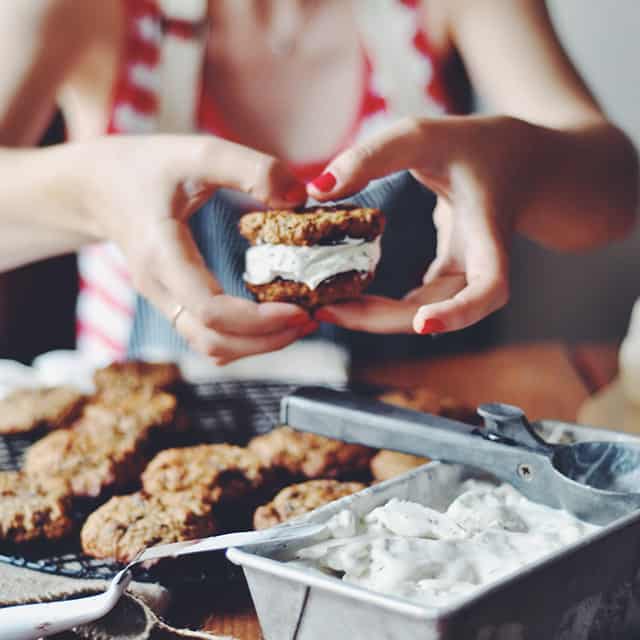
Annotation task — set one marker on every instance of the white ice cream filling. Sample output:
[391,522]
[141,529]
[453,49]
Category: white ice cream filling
[310,265]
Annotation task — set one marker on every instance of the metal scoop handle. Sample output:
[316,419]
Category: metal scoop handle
[515,455]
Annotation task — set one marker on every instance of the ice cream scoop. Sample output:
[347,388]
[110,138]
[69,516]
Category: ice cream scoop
[596,481]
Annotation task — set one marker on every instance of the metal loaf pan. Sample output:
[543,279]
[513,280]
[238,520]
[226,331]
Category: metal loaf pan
[588,591]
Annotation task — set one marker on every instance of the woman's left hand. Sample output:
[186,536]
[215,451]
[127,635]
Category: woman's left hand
[471,163]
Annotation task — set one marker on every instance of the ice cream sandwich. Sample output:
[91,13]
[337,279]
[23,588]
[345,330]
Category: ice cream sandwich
[312,256]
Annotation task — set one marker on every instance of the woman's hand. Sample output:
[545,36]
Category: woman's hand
[143,196]
[465,162]
[492,176]
[139,193]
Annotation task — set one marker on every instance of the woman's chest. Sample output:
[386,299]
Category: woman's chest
[294,84]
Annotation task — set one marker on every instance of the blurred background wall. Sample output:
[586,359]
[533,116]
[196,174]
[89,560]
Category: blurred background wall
[590,296]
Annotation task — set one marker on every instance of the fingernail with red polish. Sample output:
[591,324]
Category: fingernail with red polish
[296,193]
[324,315]
[324,182]
[310,328]
[432,325]
[298,321]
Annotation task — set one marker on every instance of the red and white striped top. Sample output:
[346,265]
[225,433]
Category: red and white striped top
[155,31]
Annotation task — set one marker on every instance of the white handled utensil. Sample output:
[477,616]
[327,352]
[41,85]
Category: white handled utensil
[29,621]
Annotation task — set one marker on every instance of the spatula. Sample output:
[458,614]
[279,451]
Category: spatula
[29,621]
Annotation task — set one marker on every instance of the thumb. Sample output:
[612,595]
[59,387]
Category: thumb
[418,144]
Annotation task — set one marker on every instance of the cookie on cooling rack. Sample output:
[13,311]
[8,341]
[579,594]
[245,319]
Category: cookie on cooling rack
[225,472]
[298,499]
[430,401]
[136,374]
[26,410]
[389,464]
[301,454]
[105,450]
[33,509]
[125,525]
[312,256]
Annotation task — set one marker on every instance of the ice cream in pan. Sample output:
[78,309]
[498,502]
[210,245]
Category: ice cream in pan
[312,256]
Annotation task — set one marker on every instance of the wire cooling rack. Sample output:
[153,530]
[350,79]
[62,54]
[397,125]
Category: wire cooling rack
[225,411]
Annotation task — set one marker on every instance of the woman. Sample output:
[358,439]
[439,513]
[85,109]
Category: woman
[285,86]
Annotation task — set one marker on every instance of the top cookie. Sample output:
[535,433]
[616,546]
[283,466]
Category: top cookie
[313,225]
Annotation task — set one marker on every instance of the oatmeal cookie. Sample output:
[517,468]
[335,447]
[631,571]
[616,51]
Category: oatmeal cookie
[143,409]
[299,499]
[335,289]
[308,455]
[125,525]
[27,410]
[429,401]
[312,225]
[134,374]
[106,449]
[389,464]
[32,509]
[224,471]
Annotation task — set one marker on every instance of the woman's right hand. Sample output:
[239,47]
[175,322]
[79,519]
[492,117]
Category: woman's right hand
[139,193]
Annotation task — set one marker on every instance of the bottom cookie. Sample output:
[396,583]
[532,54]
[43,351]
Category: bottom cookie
[341,287]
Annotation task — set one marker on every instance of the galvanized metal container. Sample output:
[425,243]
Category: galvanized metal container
[588,591]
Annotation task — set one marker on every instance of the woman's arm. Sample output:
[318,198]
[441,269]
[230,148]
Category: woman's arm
[139,193]
[548,165]
[40,216]
[577,173]
[40,43]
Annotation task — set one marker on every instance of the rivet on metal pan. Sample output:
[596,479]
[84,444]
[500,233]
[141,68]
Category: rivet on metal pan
[525,471]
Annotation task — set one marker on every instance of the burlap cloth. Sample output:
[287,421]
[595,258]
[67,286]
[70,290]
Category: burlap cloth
[135,617]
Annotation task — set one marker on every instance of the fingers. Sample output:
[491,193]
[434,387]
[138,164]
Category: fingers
[222,347]
[473,303]
[180,269]
[222,326]
[373,314]
[486,290]
[376,314]
[446,304]
[409,144]
[225,164]
[225,348]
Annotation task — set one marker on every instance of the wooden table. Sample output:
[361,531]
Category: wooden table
[547,380]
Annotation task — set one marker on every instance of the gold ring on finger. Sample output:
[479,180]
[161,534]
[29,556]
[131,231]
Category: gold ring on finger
[176,315]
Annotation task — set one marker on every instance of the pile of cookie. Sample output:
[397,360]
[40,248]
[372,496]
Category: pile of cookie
[110,448]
